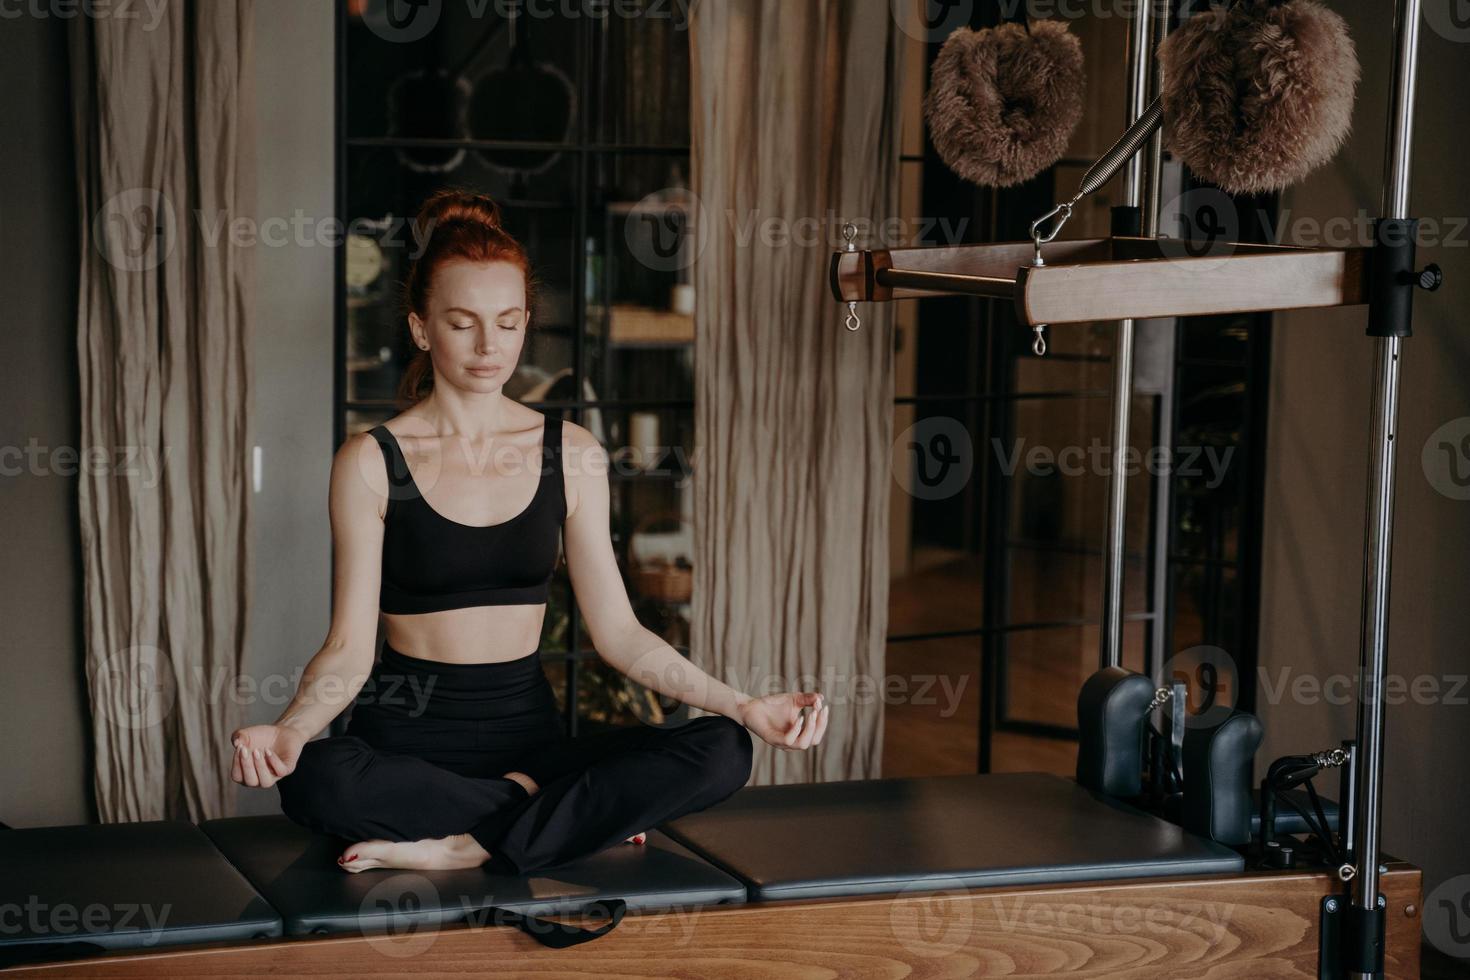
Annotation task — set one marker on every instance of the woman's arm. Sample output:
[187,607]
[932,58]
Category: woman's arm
[359,489]
[630,647]
[334,675]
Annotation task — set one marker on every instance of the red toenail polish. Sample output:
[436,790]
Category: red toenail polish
[352,857]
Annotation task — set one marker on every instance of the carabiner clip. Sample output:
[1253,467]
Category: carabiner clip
[1065,210]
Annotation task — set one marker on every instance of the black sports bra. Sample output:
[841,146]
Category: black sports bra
[431,562]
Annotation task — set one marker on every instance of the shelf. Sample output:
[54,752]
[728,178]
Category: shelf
[643,326]
[1097,279]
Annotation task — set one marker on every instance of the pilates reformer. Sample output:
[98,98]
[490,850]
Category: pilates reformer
[1157,860]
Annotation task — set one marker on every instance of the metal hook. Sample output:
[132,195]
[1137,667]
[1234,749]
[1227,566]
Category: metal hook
[1065,210]
[849,232]
[1038,346]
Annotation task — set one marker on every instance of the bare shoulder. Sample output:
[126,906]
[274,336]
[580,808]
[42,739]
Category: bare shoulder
[584,467]
[583,453]
[359,481]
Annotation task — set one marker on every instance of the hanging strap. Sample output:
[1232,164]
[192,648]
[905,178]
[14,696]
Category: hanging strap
[556,935]
[1178,711]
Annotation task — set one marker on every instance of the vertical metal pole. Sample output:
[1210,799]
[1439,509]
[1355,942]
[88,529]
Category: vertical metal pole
[1140,75]
[1368,805]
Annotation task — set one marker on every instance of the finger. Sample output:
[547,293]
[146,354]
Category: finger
[236,772]
[808,733]
[795,731]
[822,723]
[263,769]
[247,760]
[276,766]
[808,699]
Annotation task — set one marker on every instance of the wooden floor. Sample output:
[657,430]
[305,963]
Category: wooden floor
[936,729]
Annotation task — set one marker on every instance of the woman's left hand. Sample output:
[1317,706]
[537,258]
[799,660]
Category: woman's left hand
[777,718]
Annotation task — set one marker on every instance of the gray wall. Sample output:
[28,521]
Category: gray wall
[293,359]
[44,774]
[1317,473]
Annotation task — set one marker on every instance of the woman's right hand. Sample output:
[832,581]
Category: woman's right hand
[265,753]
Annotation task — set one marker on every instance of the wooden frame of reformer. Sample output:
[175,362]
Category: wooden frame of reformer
[1220,927]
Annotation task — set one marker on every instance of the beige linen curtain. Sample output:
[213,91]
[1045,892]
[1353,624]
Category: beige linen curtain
[165,162]
[796,127]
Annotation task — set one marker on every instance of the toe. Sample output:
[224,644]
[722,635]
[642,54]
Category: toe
[361,856]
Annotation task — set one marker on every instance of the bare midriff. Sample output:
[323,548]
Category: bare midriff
[472,635]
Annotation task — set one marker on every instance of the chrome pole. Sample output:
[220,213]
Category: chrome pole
[1378,532]
[1135,187]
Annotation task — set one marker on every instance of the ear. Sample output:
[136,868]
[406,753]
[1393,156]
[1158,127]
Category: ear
[418,331]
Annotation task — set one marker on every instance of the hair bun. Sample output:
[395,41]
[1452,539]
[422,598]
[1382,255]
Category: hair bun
[454,204]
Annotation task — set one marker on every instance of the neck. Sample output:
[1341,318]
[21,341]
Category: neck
[467,415]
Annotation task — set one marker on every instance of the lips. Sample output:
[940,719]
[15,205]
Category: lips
[484,370]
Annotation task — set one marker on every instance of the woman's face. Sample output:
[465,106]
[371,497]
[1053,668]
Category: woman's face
[477,323]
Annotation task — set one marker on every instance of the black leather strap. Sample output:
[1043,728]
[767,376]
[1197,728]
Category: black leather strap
[1178,708]
[557,935]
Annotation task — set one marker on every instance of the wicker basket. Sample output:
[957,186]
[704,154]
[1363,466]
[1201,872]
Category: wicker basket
[659,578]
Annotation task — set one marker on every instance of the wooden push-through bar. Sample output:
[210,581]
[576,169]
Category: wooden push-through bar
[1110,278]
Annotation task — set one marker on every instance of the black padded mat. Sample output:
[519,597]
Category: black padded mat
[297,872]
[122,886]
[881,836]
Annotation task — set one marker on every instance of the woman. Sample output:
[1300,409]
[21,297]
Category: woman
[455,754]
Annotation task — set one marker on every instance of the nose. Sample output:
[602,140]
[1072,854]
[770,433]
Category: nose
[488,343]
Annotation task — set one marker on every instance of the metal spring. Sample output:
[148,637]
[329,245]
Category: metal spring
[1128,144]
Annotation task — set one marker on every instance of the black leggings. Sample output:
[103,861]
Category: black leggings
[429,743]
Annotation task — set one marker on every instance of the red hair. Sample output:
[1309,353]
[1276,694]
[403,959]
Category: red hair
[458,225]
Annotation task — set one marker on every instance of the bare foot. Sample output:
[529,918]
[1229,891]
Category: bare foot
[526,781]
[433,854]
